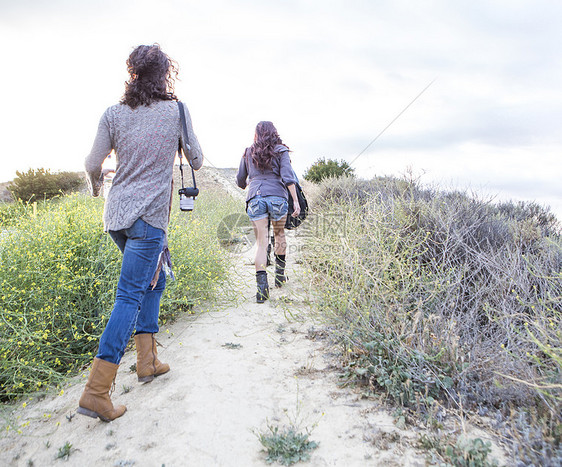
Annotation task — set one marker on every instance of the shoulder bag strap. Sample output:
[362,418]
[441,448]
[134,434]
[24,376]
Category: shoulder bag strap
[180,150]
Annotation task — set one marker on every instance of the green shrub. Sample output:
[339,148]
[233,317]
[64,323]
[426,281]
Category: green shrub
[69,182]
[58,278]
[56,290]
[15,212]
[11,213]
[438,295]
[41,184]
[329,168]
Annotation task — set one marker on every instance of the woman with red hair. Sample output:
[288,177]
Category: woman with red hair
[266,169]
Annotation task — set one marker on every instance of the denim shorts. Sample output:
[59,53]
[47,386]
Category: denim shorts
[261,207]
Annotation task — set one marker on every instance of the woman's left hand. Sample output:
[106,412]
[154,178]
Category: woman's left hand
[296,205]
[297,209]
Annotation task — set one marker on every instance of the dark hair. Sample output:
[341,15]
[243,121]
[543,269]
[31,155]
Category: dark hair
[152,78]
[263,149]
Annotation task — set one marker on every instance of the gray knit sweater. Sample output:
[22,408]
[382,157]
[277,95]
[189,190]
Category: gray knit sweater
[145,141]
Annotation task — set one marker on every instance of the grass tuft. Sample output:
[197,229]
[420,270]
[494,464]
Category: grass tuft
[465,452]
[286,446]
[64,451]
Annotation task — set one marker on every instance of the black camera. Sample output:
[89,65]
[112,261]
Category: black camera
[187,198]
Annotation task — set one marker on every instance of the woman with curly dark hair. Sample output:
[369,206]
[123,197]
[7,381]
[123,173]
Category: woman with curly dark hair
[143,130]
[267,166]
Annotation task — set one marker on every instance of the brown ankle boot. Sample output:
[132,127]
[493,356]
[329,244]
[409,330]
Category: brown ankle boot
[95,401]
[148,365]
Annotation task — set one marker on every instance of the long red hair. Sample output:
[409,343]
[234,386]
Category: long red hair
[263,149]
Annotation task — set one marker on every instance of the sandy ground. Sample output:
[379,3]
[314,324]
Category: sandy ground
[234,370]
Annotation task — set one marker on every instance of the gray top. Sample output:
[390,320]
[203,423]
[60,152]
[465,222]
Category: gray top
[145,141]
[270,182]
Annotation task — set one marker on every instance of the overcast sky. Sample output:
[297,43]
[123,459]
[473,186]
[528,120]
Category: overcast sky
[331,75]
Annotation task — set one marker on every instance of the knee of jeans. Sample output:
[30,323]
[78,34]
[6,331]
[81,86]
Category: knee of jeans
[129,297]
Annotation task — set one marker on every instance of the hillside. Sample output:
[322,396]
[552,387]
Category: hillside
[237,368]
[5,195]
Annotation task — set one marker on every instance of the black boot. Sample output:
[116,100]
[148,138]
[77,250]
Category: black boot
[280,277]
[263,287]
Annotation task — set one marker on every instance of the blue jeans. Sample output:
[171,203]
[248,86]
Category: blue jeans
[261,207]
[136,303]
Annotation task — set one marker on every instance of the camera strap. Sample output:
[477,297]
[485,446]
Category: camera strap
[180,147]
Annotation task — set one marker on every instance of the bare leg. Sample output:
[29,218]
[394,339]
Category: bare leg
[280,249]
[260,230]
[279,234]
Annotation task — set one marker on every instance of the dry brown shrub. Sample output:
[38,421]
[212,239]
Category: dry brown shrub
[446,296]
